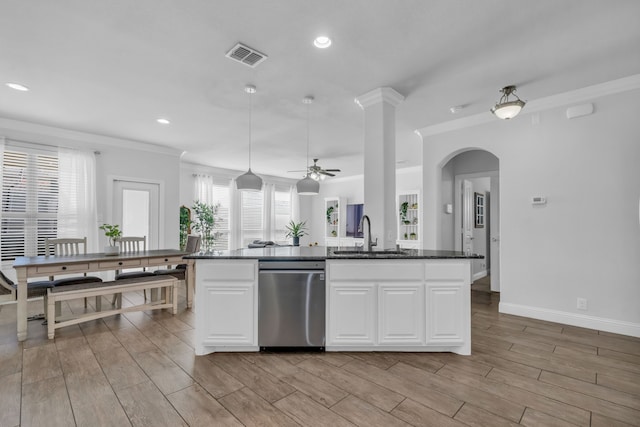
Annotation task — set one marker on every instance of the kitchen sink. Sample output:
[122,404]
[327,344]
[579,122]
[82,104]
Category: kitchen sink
[368,253]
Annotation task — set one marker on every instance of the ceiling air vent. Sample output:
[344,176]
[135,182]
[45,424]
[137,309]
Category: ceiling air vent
[248,56]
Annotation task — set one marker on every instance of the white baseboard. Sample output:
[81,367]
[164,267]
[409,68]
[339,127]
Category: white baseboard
[573,319]
[479,275]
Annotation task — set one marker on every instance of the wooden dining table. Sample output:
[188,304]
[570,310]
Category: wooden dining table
[45,266]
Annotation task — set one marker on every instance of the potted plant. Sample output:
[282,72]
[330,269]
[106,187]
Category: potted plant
[403,211]
[329,212]
[206,216]
[185,225]
[112,232]
[296,230]
[412,236]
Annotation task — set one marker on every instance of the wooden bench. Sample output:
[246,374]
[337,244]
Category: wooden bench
[168,285]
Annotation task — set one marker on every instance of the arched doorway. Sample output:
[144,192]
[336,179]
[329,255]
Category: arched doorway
[470,192]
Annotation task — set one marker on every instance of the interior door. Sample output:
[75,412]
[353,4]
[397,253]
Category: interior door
[494,245]
[467,216]
[136,207]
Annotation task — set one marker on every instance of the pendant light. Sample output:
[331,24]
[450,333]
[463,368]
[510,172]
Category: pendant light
[248,180]
[505,109]
[308,186]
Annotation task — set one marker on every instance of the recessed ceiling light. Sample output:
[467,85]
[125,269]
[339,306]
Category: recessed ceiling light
[322,42]
[18,86]
[163,121]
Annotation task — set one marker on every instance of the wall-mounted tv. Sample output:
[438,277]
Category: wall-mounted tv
[354,215]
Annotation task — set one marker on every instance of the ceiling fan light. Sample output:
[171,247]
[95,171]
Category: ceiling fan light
[505,109]
[249,181]
[308,186]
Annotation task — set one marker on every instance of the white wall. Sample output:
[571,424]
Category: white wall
[351,189]
[447,226]
[586,241]
[119,158]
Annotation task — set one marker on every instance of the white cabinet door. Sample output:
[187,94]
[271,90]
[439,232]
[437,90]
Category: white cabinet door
[230,314]
[226,308]
[400,313]
[351,314]
[446,311]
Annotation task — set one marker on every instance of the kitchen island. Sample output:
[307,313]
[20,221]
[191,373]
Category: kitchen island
[409,300]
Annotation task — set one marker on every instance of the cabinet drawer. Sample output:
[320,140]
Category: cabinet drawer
[167,260]
[240,270]
[116,265]
[62,269]
[376,270]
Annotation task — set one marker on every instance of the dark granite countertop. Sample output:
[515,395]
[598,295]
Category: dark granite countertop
[309,253]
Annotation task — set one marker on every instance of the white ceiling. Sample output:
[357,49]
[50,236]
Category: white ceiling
[113,67]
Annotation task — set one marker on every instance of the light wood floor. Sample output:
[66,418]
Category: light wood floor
[139,369]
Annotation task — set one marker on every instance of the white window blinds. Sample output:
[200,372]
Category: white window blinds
[282,212]
[251,216]
[211,191]
[221,197]
[29,201]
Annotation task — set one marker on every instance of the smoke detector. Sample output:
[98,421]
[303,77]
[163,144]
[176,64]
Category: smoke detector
[246,55]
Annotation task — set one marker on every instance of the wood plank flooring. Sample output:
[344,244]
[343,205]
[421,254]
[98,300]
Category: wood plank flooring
[139,369]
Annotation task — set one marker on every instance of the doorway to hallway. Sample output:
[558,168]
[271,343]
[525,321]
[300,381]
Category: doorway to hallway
[470,185]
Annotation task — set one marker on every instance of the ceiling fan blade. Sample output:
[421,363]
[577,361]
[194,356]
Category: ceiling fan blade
[324,172]
[332,170]
[300,170]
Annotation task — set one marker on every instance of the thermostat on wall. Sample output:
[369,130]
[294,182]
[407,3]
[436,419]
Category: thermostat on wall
[538,200]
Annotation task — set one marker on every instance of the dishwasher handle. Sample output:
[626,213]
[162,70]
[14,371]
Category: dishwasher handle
[291,265]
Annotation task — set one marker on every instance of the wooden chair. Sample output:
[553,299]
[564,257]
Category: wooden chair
[127,245]
[69,247]
[132,244]
[179,272]
[65,246]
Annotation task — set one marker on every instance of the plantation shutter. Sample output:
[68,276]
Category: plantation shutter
[29,201]
[282,212]
[221,195]
[251,217]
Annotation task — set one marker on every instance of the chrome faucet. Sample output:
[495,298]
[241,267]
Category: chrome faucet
[368,241]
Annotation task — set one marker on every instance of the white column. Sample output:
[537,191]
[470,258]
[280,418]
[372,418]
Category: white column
[379,107]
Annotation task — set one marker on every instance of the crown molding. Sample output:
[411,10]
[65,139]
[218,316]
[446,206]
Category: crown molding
[75,139]
[376,96]
[571,97]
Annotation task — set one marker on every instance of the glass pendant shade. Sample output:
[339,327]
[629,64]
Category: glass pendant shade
[249,181]
[505,109]
[308,186]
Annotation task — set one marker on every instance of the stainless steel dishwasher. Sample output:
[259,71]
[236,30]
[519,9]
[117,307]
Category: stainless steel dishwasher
[291,305]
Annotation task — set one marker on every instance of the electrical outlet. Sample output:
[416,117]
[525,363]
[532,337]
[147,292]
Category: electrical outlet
[582,304]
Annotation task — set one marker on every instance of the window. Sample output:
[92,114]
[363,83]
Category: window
[282,211]
[221,197]
[479,210]
[251,216]
[245,216]
[29,201]
[216,192]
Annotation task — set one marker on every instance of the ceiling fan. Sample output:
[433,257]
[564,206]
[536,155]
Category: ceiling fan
[317,172]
